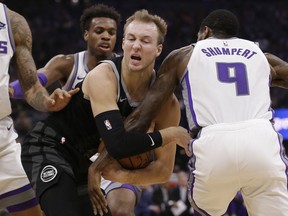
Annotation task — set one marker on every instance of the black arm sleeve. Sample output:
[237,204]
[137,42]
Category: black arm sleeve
[122,144]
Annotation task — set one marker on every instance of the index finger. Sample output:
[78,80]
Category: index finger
[73,91]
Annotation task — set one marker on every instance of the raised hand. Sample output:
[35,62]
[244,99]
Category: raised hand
[178,135]
[59,99]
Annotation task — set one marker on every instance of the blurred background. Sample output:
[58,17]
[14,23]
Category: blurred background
[56,30]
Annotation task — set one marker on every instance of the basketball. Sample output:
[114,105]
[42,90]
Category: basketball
[134,162]
[137,161]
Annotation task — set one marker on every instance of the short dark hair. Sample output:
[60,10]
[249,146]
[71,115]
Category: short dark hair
[98,10]
[222,21]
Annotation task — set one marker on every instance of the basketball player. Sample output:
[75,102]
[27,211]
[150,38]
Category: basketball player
[226,91]
[56,153]
[99,25]
[16,193]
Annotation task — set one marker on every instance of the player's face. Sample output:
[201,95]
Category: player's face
[101,36]
[140,45]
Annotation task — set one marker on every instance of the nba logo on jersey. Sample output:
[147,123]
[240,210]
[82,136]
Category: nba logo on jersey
[108,124]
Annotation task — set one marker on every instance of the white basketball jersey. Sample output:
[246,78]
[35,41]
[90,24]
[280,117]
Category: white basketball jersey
[226,81]
[79,71]
[6,53]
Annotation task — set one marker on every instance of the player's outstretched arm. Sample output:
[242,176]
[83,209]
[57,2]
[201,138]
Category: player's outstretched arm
[168,77]
[57,69]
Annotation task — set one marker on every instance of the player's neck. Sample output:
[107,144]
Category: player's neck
[92,60]
[137,84]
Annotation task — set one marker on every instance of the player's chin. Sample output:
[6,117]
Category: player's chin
[136,65]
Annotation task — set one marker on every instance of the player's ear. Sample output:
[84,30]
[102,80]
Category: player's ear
[159,49]
[86,35]
[123,40]
[204,33]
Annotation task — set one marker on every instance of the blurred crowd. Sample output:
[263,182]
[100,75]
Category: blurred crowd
[56,30]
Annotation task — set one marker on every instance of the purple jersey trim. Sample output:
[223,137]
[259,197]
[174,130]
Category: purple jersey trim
[11,38]
[283,155]
[17,191]
[22,206]
[128,186]
[191,108]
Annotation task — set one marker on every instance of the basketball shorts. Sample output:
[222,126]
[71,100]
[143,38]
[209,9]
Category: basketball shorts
[16,193]
[248,157]
[42,160]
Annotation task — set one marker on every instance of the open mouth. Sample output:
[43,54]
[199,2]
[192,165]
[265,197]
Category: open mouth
[135,57]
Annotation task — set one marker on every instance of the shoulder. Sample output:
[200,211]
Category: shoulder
[99,79]
[180,56]
[101,73]
[182,52]
[61,62]
[62,59]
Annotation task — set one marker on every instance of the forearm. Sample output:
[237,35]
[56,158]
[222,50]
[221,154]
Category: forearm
[141,118]
[120,143]
[17,90]
[281,77]
[101,162]
[278,71]
[155,173]
[34,92]
[36,97]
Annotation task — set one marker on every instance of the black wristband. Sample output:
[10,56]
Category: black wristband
[122,144]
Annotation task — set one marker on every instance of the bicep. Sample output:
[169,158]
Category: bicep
[24,61]
[57,68]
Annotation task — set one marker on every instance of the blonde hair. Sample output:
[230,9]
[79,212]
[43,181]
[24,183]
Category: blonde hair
[144,16]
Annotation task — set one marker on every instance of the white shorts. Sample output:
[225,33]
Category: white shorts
[108,185]
[15,190]
[247,157]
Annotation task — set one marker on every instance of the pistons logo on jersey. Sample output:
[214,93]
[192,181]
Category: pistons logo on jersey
[108,124]
[48,173]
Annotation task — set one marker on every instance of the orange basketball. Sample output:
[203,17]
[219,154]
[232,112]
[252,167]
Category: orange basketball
[137,161]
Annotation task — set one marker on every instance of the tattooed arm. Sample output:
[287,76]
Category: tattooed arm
[35,94]
[169,76]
